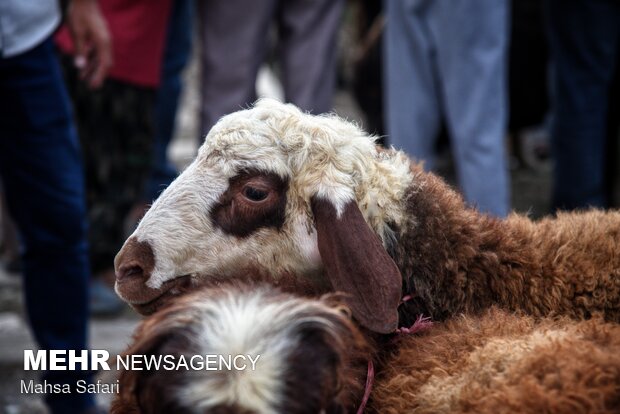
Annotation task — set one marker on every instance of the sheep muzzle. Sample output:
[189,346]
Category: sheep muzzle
[133,266]
[135,261]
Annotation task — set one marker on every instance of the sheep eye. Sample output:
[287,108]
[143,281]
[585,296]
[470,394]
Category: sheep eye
[254,194]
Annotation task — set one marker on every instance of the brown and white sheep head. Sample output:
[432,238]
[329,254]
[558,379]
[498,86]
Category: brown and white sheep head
[276,191]
[309,357]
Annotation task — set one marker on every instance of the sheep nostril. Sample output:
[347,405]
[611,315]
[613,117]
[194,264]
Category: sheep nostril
[131,271]
[134,263]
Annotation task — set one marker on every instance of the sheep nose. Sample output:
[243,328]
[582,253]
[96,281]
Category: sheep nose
[130,270]
[135,262]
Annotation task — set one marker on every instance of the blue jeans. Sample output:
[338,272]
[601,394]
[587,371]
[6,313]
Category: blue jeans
[176,55]
[42,173]
[584,39]
[446,60]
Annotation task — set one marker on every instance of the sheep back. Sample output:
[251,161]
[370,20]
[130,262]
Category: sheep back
[454,259]
[503,363]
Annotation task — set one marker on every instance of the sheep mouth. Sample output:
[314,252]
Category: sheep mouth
[169,290]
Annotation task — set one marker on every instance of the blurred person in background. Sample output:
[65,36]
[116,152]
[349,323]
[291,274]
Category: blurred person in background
[116,129]
[446,60]
[176,56]
[584,41]
[234,36]
[528,88]
[367,78]
[42,173]
[9,245]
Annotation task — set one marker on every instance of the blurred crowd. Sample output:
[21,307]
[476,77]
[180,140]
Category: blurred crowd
[89,91]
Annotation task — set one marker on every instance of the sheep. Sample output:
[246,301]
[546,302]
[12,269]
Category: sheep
[499,362]
[313,359]
[309,356]
[279,192]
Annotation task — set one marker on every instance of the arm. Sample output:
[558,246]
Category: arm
[93,51]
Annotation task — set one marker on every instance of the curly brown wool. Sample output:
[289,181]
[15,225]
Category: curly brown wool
[456,260]
[503,363]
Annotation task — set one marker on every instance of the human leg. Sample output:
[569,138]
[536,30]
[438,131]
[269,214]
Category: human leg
[584,41]
[41,169]
[308,45]
[472,40]
[176,55]
[231,51]
[412,109]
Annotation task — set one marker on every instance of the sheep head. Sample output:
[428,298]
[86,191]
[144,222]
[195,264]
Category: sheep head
[276,191]
[308,355]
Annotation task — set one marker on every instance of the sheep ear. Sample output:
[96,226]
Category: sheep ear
[357,264]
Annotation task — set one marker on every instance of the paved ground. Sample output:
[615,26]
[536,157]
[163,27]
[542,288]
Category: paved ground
[530,189]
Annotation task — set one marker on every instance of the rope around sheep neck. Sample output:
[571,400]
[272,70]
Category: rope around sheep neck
[422,323]
[370,379]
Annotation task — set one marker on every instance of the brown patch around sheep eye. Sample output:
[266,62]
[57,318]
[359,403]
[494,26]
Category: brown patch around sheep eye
[253,200]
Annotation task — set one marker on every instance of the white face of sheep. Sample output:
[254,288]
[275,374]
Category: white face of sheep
[251,202]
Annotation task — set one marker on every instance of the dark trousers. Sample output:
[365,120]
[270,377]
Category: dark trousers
[234,35]
[115,125]
[176,55]
[43,179]
[584,36]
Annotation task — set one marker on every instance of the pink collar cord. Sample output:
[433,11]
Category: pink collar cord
[421,324]
[370,379]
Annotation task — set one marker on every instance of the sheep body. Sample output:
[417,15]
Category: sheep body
[314,358]
[503,363]
[451,258]
[455,260]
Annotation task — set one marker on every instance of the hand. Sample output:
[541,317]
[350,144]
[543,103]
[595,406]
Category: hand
[93,50]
